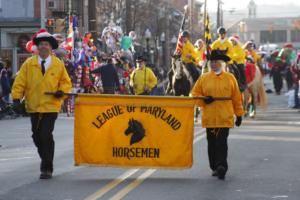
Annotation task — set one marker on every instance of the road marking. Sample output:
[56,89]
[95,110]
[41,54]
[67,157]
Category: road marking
[267,138]
[138,181]
[111,185]
[9,159]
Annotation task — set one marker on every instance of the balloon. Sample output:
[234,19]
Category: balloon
[126,42]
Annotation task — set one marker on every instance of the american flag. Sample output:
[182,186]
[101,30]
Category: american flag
[179,45]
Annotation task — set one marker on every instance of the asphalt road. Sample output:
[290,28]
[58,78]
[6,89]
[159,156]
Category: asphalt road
[264,163]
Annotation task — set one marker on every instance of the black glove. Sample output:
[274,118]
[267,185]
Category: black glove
[238,121]
[208,99]
[17,106]
[59,94]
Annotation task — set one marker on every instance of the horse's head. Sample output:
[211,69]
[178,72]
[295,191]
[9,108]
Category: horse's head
[177,66]
[136,129]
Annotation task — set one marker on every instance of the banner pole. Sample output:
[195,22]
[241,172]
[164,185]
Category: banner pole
[196,98]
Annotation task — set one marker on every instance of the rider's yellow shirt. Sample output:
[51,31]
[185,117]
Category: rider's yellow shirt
[238,55]
[254,55]
[200,53]
[189,50]
[223,45]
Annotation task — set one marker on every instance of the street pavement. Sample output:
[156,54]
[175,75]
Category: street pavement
[264,163]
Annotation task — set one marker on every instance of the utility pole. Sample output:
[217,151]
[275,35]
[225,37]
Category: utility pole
[85,15]
[218,14]
[43,13]
[191,13]
[128,14]
[167,38]
[92,18]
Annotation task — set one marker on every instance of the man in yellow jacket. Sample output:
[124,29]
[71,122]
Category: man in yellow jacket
[39,74]
[222,44]
[189,56]
[218,116]
[239,59]
[142,79]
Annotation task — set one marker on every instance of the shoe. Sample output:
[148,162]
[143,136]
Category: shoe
[221,172]
[46,175]
[214,173]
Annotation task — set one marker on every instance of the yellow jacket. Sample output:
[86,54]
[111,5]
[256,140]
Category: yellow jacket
[239,54]
[31,84]
[200,53]
[223,46]
[188,49]
[219,114]
[141,78]
[254,55]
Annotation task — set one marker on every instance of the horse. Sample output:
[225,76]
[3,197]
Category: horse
[181,81]
[254,94]
[136,129]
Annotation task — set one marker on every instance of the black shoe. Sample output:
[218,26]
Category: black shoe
[221,172]
[46,175]
[214,173]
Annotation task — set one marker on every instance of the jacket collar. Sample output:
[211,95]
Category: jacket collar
[36,63]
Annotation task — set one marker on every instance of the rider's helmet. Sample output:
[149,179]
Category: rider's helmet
[221,30]
[186,34]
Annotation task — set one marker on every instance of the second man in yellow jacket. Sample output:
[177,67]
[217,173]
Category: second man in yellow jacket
[142,79]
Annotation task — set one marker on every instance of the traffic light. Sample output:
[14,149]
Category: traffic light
[60,25]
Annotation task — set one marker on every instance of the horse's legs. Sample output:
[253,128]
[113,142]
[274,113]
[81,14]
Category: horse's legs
[170,77]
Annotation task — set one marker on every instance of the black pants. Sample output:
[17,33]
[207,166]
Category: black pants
[242,77]
[108,90]
[277,80]
[217,147]
[289,80]
[42,127]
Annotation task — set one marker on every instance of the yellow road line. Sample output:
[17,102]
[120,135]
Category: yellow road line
[135,183]
[112,184]
[101,192]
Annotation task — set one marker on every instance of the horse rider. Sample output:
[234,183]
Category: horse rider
[142,79]
[218,116]
[200,51]
[39,74]
[238,58]
[189,55]
[251,54]
[223,45]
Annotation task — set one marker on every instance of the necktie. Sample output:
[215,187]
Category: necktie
[43,67]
